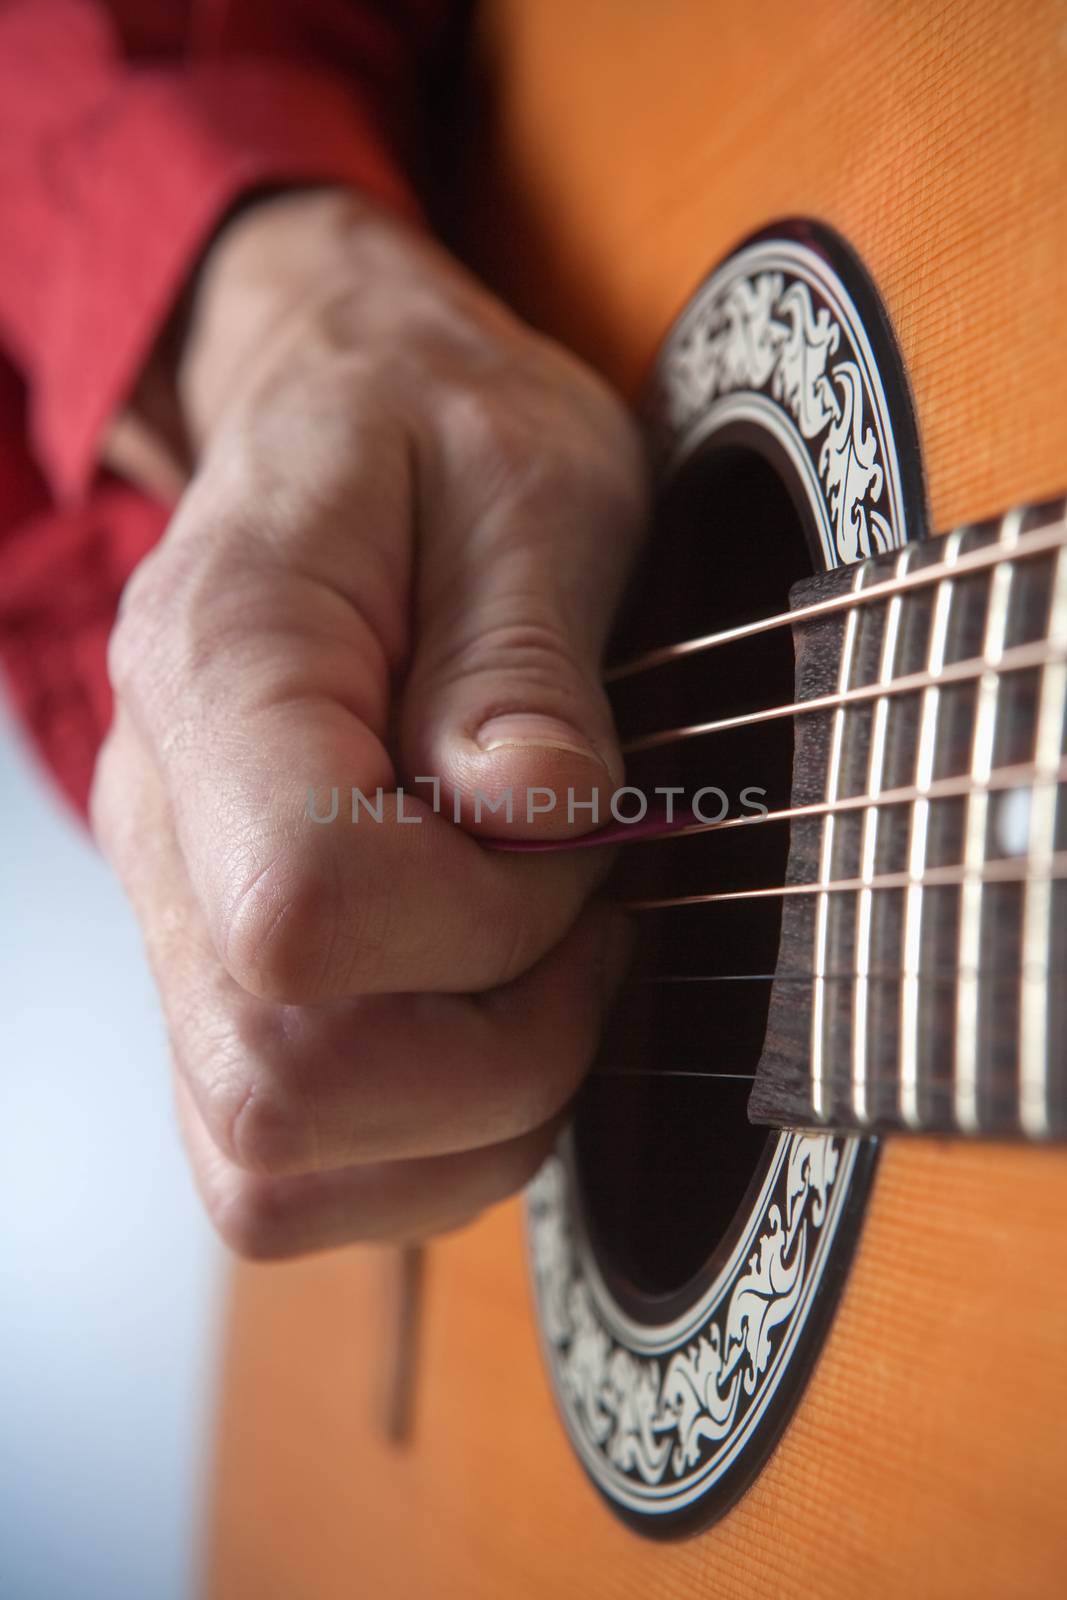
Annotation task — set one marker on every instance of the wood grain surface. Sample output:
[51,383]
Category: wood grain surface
[928,1458]
[627,146]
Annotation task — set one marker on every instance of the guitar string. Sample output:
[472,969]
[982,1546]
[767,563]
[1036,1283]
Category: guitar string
[879,1078]
[1019,658]
[1009,870]
[876,975]
[1019,775]
[882,1079]
[668,1072]
[1005,777]
[1038,542]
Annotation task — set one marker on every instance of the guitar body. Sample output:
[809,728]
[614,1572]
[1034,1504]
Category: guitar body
[632,145]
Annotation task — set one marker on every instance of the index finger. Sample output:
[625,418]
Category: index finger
[259,690]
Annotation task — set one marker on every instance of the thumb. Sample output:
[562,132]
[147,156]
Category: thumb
[504,704]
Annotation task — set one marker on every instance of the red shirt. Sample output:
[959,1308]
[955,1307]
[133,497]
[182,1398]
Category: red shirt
[127,131]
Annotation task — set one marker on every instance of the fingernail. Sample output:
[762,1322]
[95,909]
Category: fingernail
[620,942]
[531,730]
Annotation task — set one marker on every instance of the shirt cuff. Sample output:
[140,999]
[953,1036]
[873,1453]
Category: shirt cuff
[149,182]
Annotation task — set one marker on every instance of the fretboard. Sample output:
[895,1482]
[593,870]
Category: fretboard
[922,974]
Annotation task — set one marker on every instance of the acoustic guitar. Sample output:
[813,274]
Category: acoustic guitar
[786,1312]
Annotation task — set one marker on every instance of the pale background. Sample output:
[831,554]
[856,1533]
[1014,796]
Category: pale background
[109,1276]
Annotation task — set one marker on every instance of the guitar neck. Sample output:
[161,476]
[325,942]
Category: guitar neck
[926,906]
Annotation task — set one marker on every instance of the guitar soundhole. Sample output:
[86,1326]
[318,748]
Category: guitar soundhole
[663,1152]
[686,1266]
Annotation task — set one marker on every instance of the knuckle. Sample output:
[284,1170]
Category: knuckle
[281,937]
[524,1095]
[519,442]
[123,806]
[178,616]
[249,1066]
[275,930]
[535,654]
[262,1135]
[510,1166]
[539,1097]
[136,628]
[485,428]
[262,1124]
[124,653]
[250,1216]
[539,423]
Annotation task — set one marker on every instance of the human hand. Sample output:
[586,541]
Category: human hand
[398,555]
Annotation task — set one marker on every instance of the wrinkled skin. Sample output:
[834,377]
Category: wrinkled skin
[403,523]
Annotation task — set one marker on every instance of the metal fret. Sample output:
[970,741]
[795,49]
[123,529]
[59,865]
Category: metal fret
[1038,891]
[933,1011]
[826,861]
[868,847]
[974,834]
[920,817]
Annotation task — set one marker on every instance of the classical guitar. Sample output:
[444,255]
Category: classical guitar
[786,1311]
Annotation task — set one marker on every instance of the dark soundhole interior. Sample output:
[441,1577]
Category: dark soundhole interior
[663,1161]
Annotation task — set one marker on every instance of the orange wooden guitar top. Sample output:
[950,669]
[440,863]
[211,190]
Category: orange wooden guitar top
[629,145]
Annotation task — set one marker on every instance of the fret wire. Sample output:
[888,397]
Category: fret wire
[975,827]
[822,905]
[1038,542]
[868,848]
[1038,871]
[1007,870]
[1019,658]
[917,847]
[1037,893]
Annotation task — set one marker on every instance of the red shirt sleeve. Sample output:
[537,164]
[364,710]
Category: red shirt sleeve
[127,131]
[124,141]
